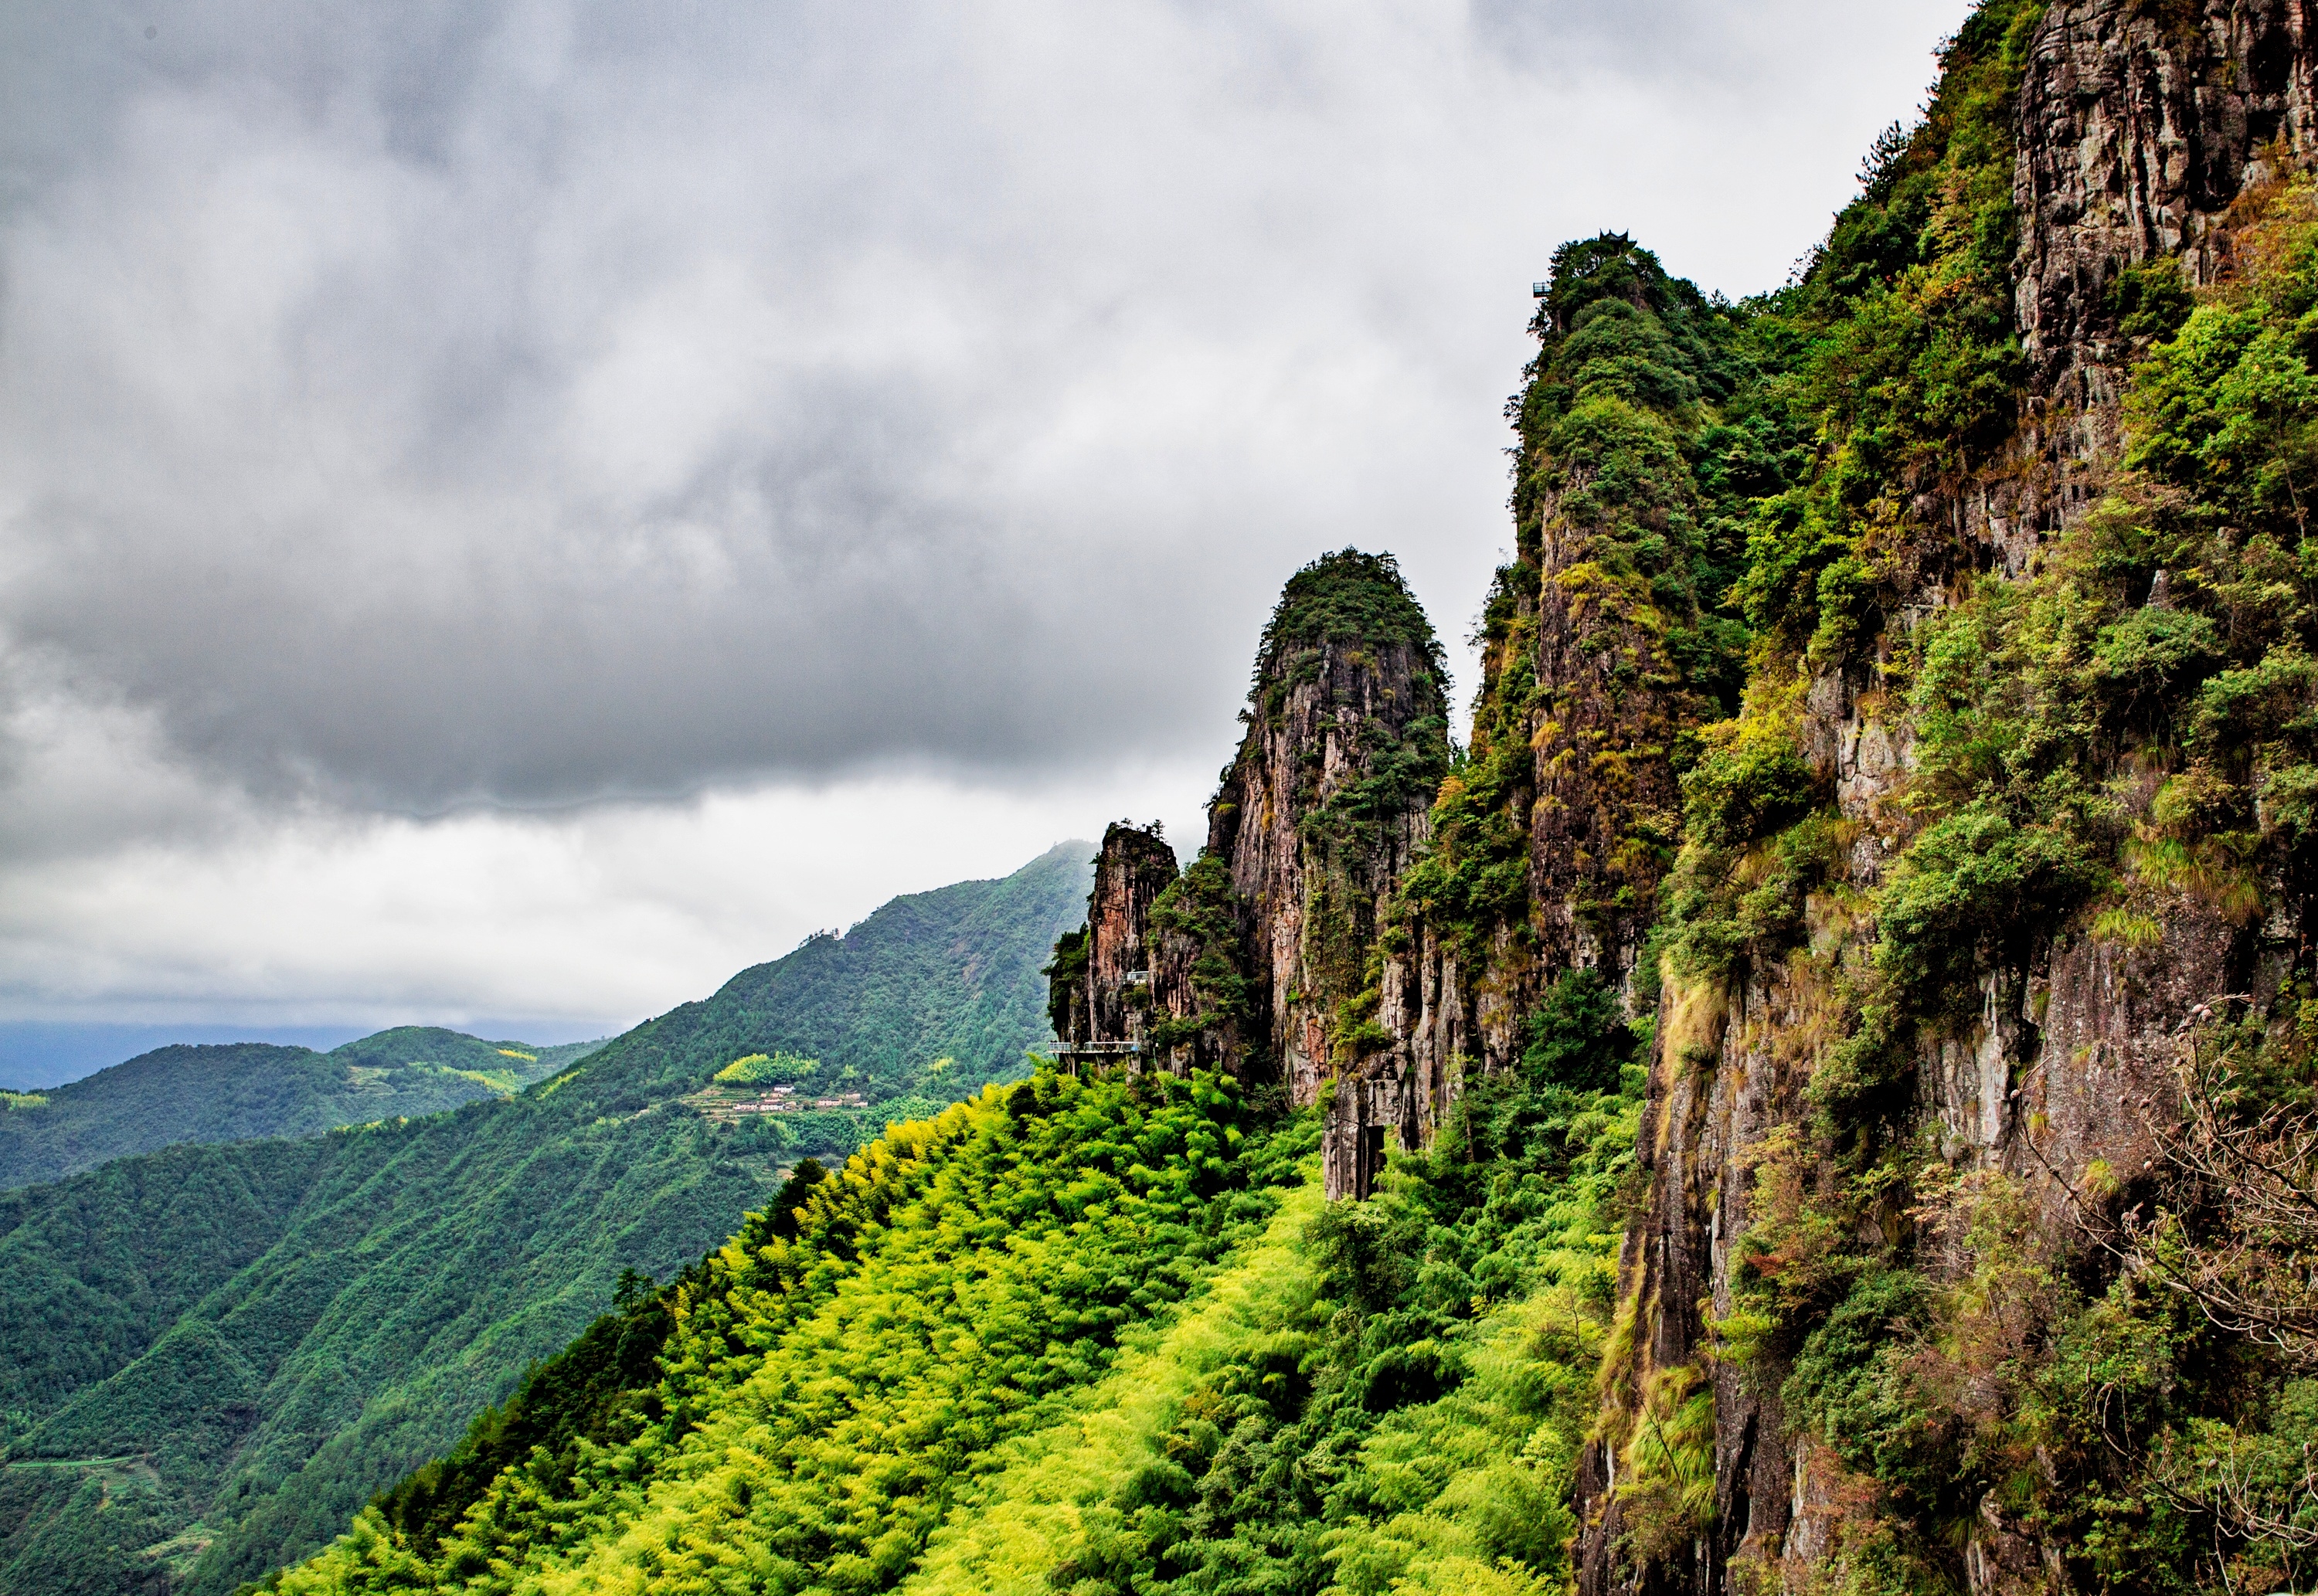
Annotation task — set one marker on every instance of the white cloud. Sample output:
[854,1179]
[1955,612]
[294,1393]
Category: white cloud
[589,920]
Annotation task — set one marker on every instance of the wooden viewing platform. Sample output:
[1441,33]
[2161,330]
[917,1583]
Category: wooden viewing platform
[1096,1052]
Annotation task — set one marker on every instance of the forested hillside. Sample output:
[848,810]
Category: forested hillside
[949,975]
[1098,1337]
[241,1090]
[211,1356]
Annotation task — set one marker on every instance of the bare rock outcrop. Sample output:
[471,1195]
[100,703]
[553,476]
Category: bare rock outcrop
[2140,126]
[1102,979]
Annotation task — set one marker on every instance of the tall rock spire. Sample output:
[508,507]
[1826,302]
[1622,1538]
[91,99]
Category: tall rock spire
[1324,808]
[1262,957]
[1100,983]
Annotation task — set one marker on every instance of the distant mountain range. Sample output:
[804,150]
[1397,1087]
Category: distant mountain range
[237,1091]
[36,1054]
[212,1355]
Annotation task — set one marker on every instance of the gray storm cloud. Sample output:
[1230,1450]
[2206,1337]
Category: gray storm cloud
[408,406]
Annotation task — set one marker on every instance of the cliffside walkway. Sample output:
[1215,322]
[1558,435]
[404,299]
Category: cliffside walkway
[1096,1054]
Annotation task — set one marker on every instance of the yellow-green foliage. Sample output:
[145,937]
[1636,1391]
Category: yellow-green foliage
[13,1102]
[1666,1488]
[759,1068]
[834,1374]
[961,1362]
[1049,1490]
[1479,1483]
[2128,928]
[1326,1419]
[505,1082]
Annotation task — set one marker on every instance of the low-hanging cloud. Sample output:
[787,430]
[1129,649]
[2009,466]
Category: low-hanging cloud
[531,403]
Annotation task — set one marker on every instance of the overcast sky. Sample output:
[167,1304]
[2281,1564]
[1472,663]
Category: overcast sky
[509,513]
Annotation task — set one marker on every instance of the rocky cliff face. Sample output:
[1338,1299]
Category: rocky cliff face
[2141,127]
[1101,982]
[1321,812]
[1596,654]
[1260,959]
[2141,132]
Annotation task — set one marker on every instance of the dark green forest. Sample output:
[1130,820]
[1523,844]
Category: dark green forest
[211,1356]
[240,1090]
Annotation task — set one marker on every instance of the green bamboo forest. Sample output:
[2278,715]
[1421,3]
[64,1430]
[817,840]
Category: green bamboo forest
[1812,1088]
